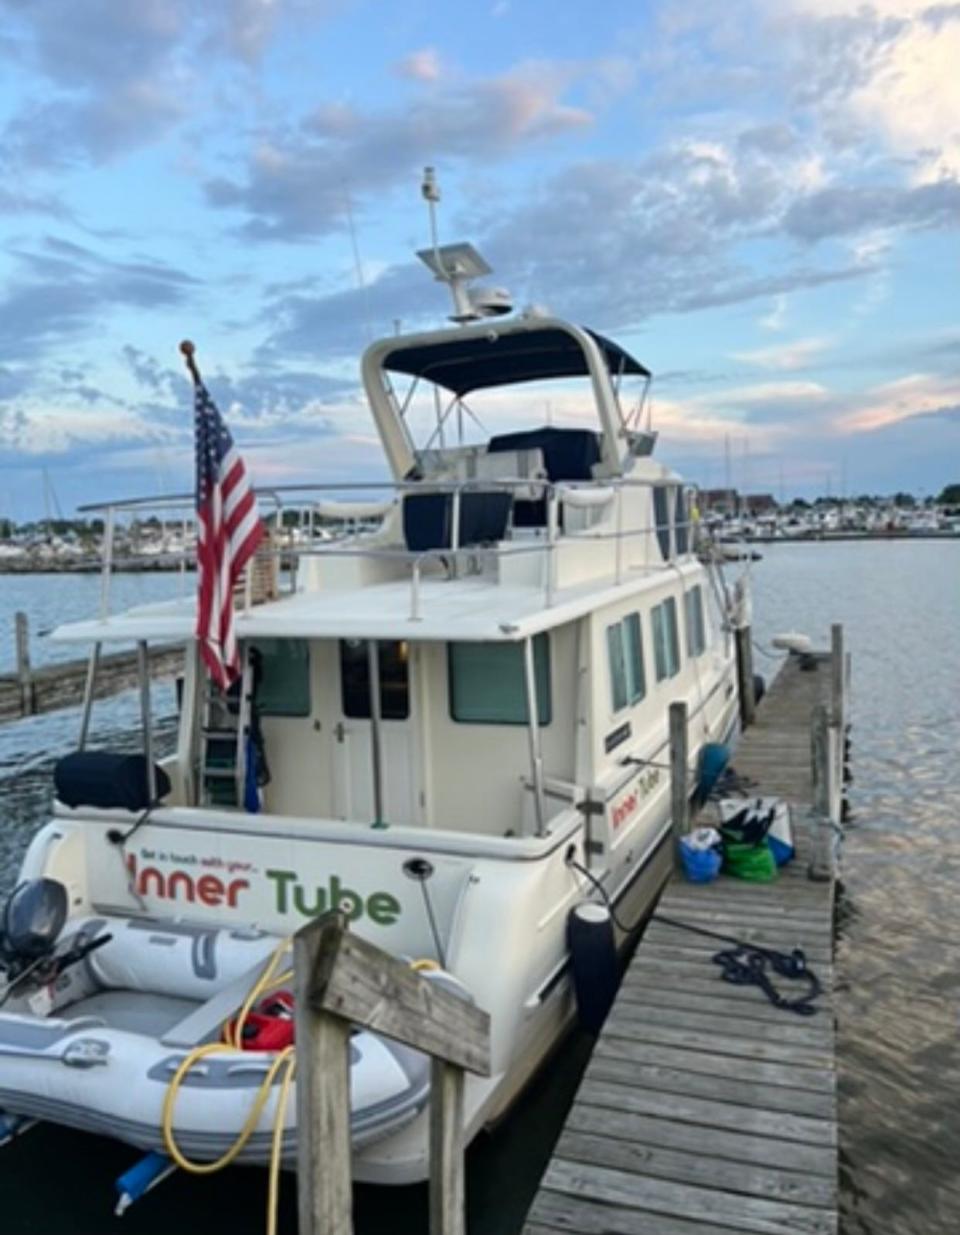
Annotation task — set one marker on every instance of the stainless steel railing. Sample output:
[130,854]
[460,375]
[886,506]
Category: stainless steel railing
[353,532]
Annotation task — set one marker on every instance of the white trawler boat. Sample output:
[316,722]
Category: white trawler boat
[457,702]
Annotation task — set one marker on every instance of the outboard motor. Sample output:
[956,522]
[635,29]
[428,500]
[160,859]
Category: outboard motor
[30,927]
[33,918]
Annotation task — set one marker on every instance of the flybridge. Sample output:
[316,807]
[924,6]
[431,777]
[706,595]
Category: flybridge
[537,352]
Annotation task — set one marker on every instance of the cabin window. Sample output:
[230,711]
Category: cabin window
[488,684]
[282,684]
[696,632]
[682,522]
[666,645]
[661,518]
[355,679]
[625,653]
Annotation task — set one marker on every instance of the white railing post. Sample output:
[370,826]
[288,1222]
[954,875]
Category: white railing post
[553,513]
[107,554]
[415,591]
[455,521]
[533,732]
[618,536]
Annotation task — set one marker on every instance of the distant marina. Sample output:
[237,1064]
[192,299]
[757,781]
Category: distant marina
[159,544]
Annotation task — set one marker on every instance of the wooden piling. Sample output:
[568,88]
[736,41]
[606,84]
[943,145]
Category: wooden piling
[65,683]
[325,1189]
[821,856]
[341,980]
[838,676]
[679,793]
[743,636]
[23,672]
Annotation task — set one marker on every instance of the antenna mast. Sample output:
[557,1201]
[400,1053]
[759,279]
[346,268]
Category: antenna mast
[455,264]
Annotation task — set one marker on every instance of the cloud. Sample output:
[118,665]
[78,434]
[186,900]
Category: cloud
[423,65]
[889,67]
[905,399]
[65,289]
[775,318]
[796,355]
[16,201]
[844,210]
[294,185]
[125,73]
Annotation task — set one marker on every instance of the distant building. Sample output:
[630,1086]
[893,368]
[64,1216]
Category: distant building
[718,501]
[758,503]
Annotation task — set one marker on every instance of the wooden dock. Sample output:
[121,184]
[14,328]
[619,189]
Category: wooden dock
[705,1110]
[29,691]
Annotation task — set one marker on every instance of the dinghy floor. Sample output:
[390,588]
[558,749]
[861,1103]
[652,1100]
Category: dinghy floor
[134,1011]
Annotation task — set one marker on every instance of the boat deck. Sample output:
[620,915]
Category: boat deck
[705,1110]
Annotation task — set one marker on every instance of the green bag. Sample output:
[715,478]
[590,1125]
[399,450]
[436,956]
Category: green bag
[745,861]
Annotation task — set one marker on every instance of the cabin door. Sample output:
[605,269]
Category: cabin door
[353,753]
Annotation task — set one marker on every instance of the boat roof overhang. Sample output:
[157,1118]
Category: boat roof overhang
[463,611]
[496,358]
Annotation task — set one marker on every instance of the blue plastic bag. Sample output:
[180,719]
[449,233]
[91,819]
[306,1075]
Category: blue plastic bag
[699,865]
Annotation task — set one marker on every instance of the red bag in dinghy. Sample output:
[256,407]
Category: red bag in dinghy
[269,1024]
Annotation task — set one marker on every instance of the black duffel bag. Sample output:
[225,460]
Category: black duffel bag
[107,781]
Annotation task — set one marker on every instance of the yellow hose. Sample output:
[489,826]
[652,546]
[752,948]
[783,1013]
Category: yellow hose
[285,1059]
[276,1145]
[234,1041]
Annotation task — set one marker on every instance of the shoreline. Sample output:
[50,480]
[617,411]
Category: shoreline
[13,566]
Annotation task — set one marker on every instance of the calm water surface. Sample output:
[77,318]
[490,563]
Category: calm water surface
[898,955]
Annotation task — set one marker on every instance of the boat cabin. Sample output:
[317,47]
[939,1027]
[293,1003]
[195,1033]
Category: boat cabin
[496,639]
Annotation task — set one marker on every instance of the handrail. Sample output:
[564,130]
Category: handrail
[578,495]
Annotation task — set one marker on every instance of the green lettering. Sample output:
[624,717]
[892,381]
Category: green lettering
[282,878]
[353,907]
[309,911]
[383,908]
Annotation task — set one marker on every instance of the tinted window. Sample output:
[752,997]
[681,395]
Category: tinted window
[696,634]
[661,517]
[488,684]
[283,681]
[666,646]
[355,679]
[681,522]
[625,654]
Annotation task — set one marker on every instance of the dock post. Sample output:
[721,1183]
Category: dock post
[748,700]
[821,860]
[24,673]
[324,1185]
[448,1205]
[679,795]
[341,981]
[837,676]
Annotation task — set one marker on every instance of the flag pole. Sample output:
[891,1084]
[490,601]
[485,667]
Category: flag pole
[188,351]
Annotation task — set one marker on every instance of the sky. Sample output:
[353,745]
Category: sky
[761,200]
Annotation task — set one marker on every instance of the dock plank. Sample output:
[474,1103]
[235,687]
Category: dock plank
[648,1194]
[706,1110]
[743,1177]
[703,1085]
[750,1069]
[672,1134]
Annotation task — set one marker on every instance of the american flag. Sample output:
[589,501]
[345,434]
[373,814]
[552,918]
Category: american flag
[228,532]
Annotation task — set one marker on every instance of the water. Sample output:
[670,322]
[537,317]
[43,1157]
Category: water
[51,599]
[897,962]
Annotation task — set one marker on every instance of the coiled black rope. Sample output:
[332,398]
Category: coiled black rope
[745,964]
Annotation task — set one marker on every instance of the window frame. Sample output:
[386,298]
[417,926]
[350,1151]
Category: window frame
[543,674]
[693,608]
[619,648]
[388,712]
[669,643]
[297,646]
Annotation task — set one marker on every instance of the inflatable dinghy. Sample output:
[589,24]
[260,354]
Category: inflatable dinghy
[99,1013]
